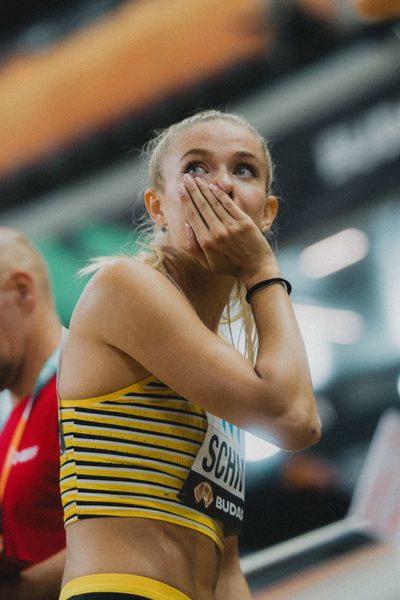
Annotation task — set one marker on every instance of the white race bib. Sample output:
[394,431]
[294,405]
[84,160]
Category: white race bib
[216,482]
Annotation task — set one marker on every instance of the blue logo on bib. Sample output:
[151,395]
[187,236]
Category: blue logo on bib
[232,429]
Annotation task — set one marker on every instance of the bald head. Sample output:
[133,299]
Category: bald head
[18,255]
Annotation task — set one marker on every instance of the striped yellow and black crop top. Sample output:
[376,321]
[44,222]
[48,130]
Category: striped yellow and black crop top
[128,453]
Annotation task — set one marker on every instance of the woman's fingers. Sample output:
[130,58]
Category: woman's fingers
[212,202]
[193,216]
[208,200]
[201,197]
[225,201]
[193,247]
[195,227]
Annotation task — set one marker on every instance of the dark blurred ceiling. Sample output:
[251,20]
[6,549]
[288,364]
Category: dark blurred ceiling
[20,18]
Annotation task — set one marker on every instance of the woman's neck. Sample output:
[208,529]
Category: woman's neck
[207,292]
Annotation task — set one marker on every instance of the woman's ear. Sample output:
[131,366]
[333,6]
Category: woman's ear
[152,202]
[270,212]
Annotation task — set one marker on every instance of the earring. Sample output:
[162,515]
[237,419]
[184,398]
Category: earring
[164,228]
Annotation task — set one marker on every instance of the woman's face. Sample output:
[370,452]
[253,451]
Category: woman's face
[223,153]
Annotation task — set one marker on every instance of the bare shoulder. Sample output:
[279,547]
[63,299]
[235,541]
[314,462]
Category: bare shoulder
[121,284]
[110,326]
[122,273]
[126,304]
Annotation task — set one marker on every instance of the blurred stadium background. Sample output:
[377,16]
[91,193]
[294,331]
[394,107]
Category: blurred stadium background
[83,84]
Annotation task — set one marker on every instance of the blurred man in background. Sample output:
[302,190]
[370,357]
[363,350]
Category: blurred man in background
[32,534]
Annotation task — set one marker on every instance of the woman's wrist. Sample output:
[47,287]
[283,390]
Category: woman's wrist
[266,283]
[267,272]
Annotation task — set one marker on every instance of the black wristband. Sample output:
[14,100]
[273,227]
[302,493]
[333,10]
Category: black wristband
[265,283]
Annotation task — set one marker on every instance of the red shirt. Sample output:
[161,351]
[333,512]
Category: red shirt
[32,516]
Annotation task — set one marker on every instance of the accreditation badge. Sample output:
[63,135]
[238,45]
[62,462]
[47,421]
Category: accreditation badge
[216,483]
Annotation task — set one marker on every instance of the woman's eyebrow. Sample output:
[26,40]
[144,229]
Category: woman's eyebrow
[205,152]
[246,154]
[200,151]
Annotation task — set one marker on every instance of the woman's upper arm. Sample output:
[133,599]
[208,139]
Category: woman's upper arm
[137,310]
[143,314]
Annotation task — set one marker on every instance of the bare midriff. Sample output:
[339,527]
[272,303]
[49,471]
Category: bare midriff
[178,556]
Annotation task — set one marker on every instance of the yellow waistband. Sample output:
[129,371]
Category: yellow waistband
[122,583]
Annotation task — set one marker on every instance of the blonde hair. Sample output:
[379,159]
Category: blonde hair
[150,235]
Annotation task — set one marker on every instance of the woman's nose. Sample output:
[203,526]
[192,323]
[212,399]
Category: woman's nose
[224,181]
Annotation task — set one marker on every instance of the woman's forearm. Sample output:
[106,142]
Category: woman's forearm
[282,364]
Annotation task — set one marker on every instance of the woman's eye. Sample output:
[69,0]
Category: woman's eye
[195,169]
[245,171]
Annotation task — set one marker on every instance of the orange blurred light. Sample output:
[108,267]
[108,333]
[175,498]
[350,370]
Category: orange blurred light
[377,9]
[142,52]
